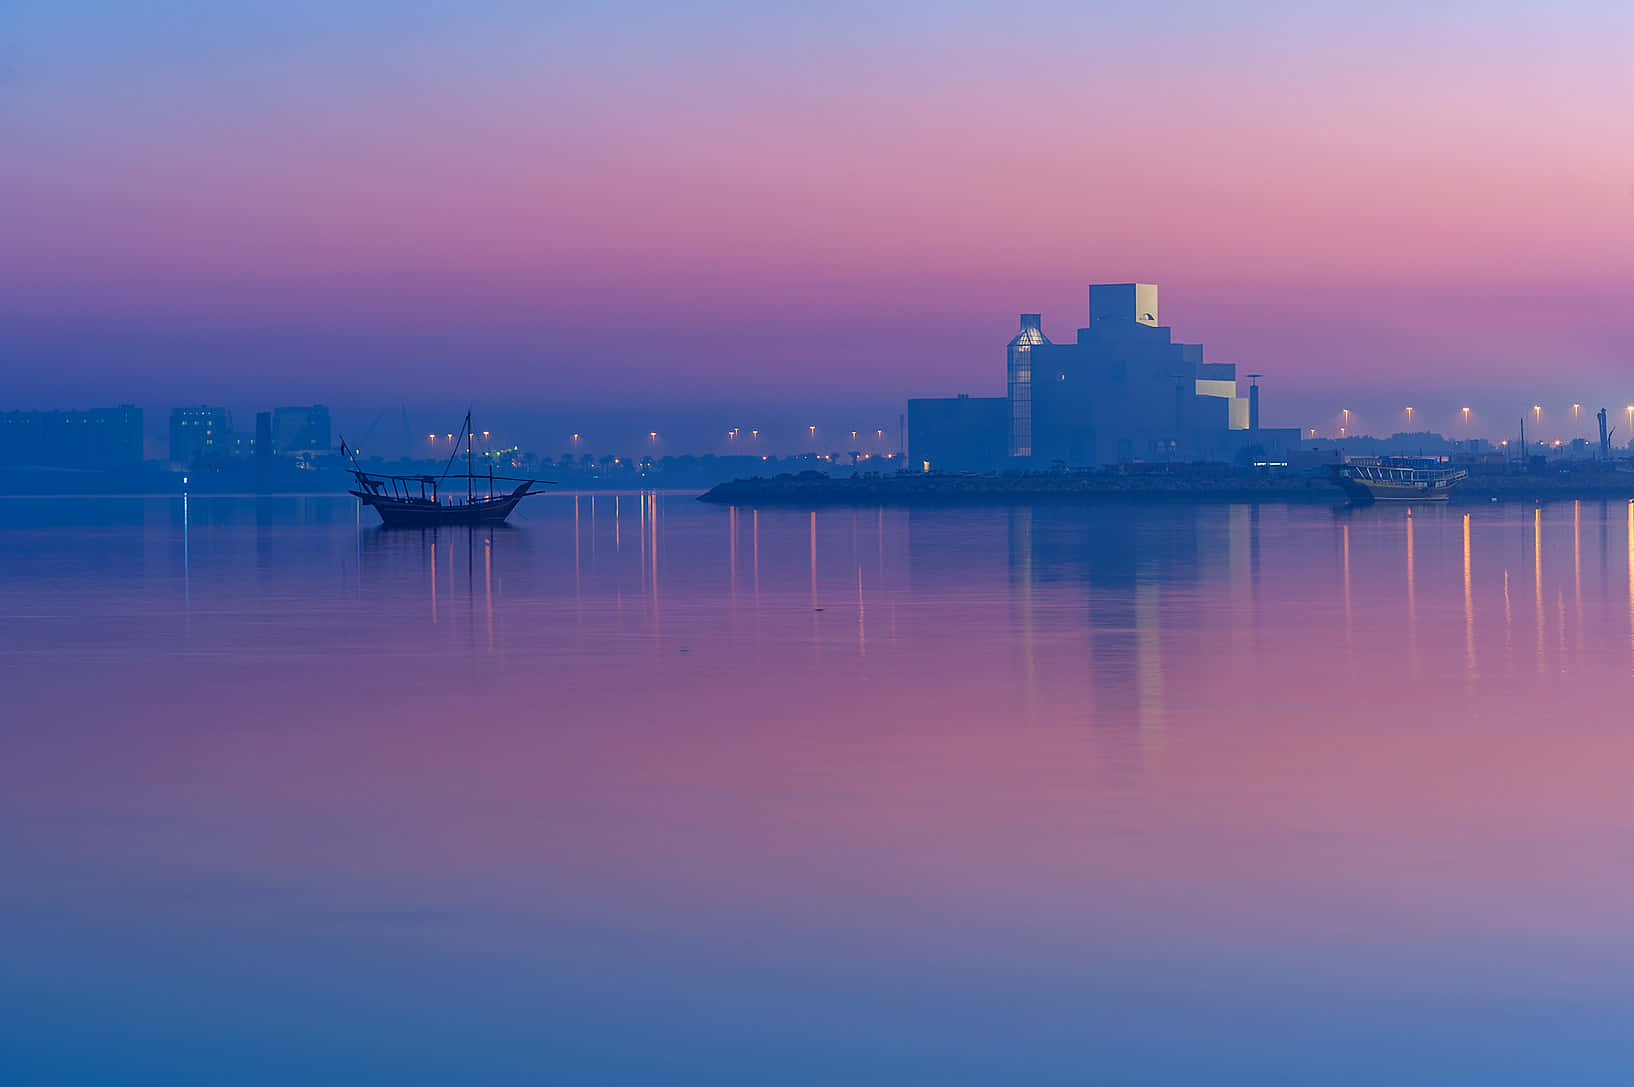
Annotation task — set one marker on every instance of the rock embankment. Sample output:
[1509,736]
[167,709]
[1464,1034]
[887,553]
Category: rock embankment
[931,488]
[1198,484]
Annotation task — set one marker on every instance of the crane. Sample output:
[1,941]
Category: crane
[372,425]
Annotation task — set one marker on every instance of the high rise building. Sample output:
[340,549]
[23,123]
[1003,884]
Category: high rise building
[201,433]
[103,438]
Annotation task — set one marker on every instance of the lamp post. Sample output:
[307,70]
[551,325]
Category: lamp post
[1409,416]
[1466,416]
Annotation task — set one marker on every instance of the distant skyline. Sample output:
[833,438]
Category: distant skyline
[701,428]
[355,202]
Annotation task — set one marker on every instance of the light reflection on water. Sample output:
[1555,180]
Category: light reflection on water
[1049,794]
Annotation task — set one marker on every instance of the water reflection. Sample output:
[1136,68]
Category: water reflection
[1149,662]
[1138,585]
[187,562]
[1021,580]
[1537,577]
[1103,781]
[1469,607]
[1412,595]
[1344,531]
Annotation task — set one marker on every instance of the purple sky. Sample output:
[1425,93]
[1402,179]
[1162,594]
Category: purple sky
[641,208]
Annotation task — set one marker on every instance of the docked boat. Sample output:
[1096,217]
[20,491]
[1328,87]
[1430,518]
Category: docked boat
[1397,479]
[416,500]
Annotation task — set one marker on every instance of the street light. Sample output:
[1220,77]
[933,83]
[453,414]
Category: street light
[1575,409]
[1409,416]
[1466,417]
[1537,412]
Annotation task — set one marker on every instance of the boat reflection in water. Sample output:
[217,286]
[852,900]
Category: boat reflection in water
[1397,479]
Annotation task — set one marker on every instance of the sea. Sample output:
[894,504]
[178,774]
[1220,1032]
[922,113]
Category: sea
[641,790]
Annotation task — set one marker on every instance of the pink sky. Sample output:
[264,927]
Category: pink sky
[1419,202]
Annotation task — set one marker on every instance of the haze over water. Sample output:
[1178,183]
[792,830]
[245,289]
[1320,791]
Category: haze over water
[639,790]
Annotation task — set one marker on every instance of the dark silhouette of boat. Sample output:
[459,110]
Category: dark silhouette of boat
[414,500]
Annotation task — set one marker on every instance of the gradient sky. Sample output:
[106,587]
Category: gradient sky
[300,200]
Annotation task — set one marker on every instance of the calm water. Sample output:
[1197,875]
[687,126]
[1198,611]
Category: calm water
[643,791]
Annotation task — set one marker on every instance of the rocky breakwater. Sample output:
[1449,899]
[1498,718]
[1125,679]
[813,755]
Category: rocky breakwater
[1202,483]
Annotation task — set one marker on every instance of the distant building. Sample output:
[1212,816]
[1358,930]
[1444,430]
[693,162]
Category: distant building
[960,434]
[263,434]
[1019,377]
[1122,391]
[201,433]
[103,438]
[300,430]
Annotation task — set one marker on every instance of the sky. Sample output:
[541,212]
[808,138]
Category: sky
[655,204]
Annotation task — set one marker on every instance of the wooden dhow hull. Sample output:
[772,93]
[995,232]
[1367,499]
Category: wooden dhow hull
[481,511]
[1358,491]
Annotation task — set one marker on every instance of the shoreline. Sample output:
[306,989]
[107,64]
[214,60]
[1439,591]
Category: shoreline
[931,489]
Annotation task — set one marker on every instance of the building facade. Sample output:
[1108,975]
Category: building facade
[108,439]
[300,429]
[1122,390]
[201,433]
[959,434]
[1019,372]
